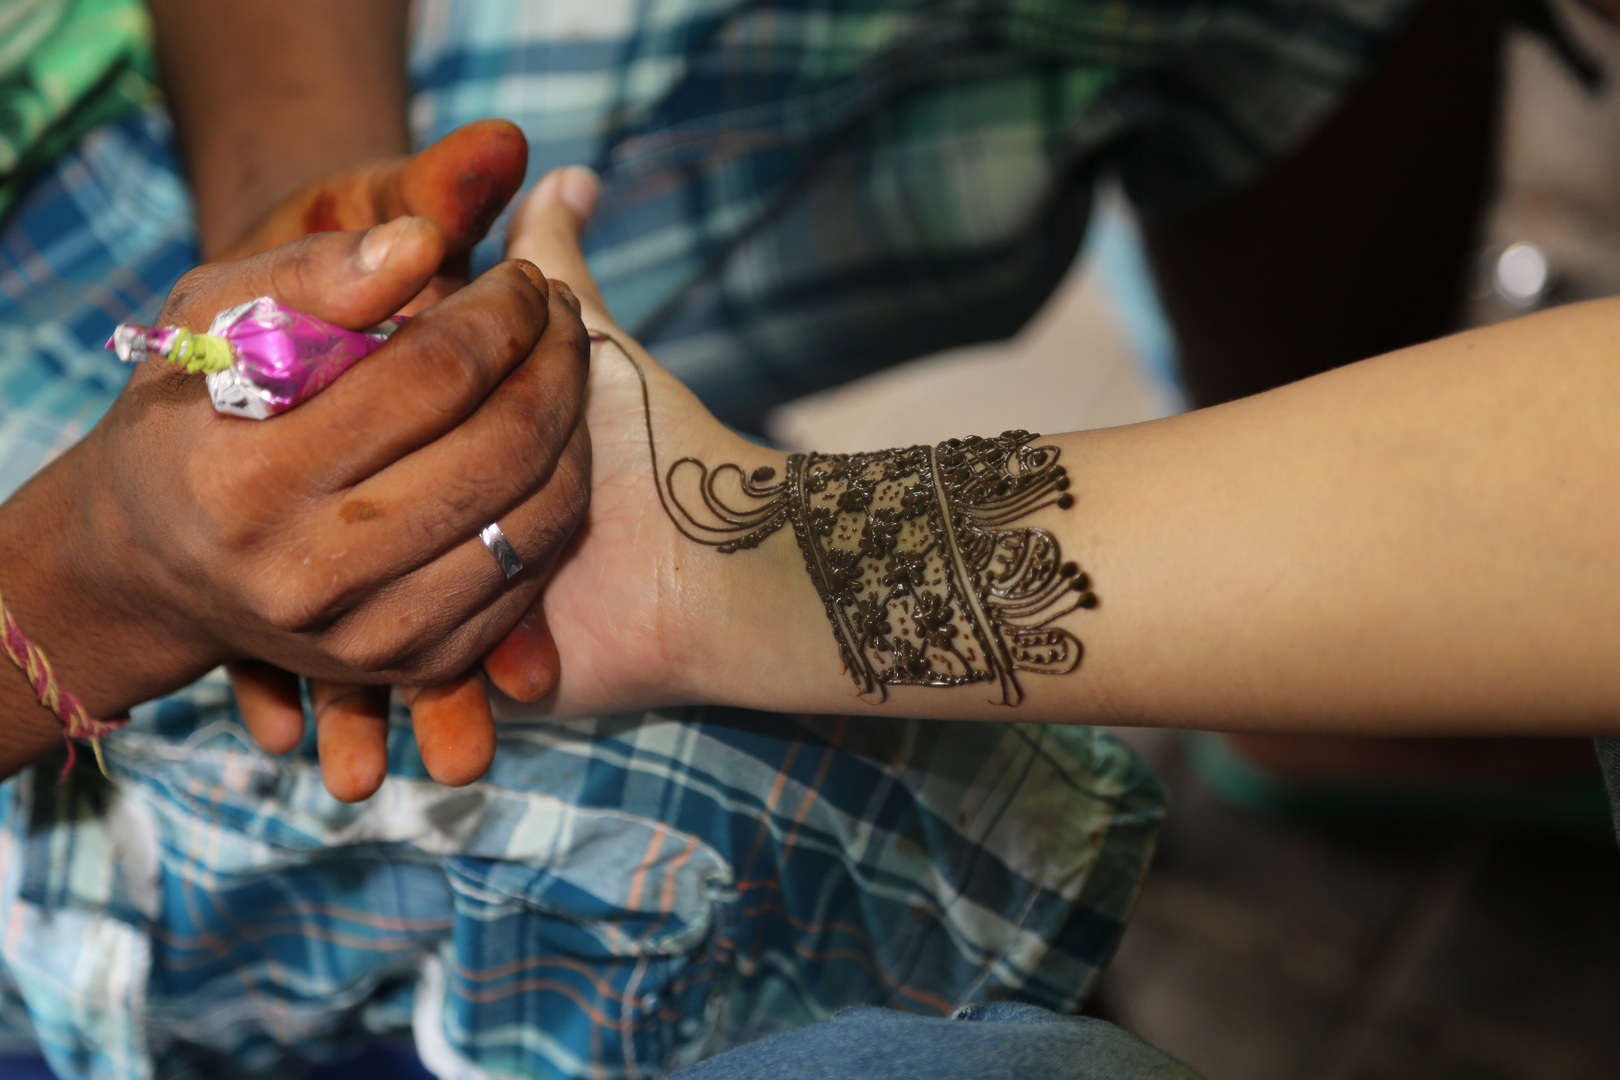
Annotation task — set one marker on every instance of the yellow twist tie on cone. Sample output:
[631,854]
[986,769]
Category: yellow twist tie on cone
[206,353]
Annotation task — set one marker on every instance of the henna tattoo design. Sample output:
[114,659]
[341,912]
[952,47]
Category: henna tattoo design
[924,575]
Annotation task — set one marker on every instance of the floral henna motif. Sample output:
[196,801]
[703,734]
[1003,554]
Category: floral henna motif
[925,575]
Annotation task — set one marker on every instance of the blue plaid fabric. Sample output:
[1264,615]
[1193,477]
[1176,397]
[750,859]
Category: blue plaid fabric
[618,897]
[796,191]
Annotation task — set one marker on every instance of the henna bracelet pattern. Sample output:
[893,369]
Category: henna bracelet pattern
[925,577]
[77,723]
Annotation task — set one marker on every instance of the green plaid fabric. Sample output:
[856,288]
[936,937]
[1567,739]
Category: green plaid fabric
[66,66]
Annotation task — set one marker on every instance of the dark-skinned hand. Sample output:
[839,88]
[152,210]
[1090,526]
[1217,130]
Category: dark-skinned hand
[461,183]
[339,539]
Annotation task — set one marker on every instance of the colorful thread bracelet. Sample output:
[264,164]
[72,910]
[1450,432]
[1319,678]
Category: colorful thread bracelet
[77,723]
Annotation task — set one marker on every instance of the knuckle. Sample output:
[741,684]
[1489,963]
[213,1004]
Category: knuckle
[286,273]
[283,593]
[567,329]
[574,487]
[187,295]
[521,440]
[516,309]
[237,510]
[456,356]
[567,495]
[463,498]
[434,667]
[536,423]
[396,649]
[290,610]
[550,535]
[373,653]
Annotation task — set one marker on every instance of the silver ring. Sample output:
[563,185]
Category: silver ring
[500,547]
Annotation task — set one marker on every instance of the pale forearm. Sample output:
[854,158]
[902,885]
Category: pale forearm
[1425,542]
[269,95]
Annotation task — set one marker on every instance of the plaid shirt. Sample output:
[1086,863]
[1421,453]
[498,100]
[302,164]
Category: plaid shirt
[618,896]
[795,192]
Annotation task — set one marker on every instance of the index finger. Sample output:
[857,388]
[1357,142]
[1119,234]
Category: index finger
[353,279]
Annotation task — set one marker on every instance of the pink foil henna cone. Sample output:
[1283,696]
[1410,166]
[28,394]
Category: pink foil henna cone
[262,357]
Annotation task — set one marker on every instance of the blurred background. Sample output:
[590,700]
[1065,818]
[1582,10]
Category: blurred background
[1441,911]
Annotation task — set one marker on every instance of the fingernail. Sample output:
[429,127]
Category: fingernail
[379,241]
[578,187]
[532,272]
[568,295]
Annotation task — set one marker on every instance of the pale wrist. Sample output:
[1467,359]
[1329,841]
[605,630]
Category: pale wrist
[758,630]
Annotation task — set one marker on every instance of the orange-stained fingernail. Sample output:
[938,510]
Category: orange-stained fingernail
[525,665]
[454,729]
[535,275]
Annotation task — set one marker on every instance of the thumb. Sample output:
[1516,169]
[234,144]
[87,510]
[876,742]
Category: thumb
[462,182]
[353,279]
[546,231]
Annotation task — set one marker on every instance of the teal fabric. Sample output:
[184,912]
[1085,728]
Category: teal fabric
[66,66]
[998,1041]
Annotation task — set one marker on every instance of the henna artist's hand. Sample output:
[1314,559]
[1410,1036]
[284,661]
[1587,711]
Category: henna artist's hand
[461,183]
[339,539]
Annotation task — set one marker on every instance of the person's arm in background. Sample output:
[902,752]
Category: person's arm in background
[1423,543]
[271,95]
[308,132]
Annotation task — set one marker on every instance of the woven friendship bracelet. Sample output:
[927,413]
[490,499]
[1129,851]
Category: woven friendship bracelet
[77,723]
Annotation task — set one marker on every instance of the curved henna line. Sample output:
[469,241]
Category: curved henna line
[1055,616]
[664,499]
[735,520]
[997,516]
[711,498]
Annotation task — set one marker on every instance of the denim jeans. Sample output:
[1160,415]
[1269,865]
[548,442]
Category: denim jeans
[999,1041]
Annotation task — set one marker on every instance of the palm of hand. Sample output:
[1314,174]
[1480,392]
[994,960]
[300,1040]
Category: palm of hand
[618,604]
[624,605]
